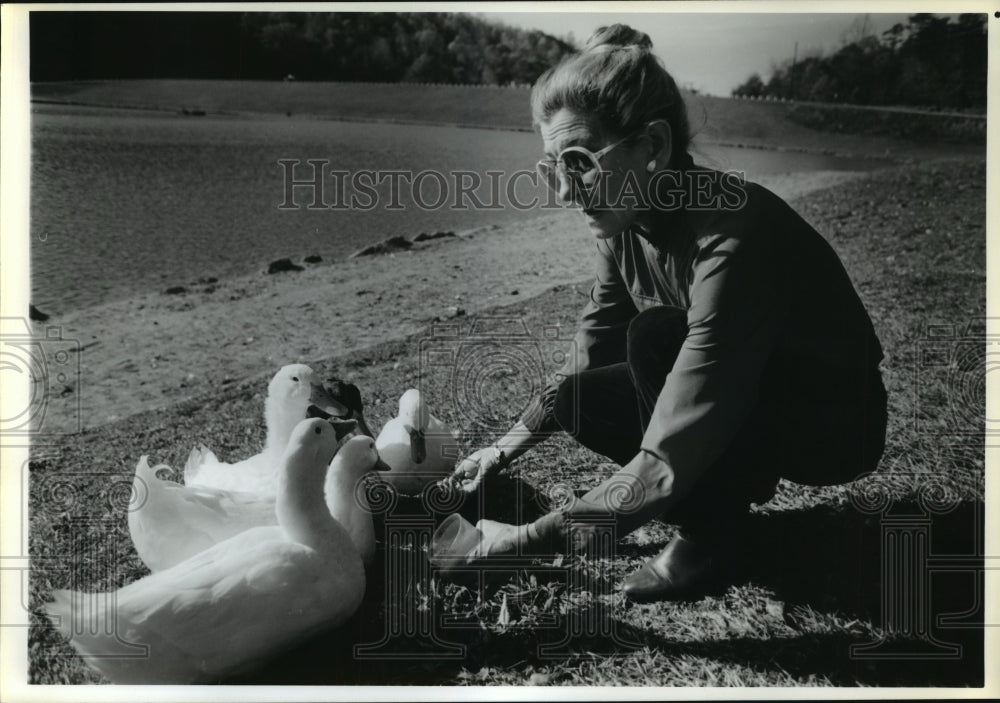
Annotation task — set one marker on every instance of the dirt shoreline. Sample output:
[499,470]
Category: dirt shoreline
[155,350]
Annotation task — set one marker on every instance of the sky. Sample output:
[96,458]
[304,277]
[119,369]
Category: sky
[715,52]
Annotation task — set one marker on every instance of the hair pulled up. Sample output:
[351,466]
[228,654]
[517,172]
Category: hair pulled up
[617,79]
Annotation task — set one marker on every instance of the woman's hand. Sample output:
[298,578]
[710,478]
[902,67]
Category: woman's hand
[457,544]
[500,539]
[471,471]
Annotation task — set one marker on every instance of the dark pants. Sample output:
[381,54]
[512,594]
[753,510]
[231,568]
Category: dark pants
[812,425]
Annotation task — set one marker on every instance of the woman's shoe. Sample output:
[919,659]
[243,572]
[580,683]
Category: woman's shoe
[685,570]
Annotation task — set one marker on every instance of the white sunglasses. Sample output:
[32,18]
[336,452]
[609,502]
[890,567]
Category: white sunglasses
[577,163]
[574,162]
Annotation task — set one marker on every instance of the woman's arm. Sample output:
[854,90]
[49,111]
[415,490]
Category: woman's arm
[600,340]
[474,468]
[518,440]
[601,336]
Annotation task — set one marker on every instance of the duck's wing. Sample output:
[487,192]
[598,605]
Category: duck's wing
[160,528]
[245,599]
[223,514]
[128,655]
[223,610]
[203,467]
[175,522]
[256,474]
[155,636]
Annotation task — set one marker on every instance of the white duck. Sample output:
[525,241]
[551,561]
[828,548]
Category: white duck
[174,522]
[287,404]
[345,498]
[237,603]
[415,444]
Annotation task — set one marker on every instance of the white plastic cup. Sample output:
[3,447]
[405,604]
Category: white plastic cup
[453,541]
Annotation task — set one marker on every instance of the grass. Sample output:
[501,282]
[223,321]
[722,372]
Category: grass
[913,240]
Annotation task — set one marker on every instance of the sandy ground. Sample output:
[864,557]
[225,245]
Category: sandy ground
[155,350]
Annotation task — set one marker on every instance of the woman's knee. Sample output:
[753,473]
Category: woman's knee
[656,323]
[566,406]
[655,337]
[598,409]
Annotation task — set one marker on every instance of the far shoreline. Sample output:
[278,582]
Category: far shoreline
[863,154]
[729,121]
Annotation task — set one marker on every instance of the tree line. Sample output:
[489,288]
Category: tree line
[338,46]
[928,61]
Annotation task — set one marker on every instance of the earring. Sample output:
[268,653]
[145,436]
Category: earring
[651,166]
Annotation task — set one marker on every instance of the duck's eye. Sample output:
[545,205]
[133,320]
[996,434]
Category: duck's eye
[295,378]
[318,430]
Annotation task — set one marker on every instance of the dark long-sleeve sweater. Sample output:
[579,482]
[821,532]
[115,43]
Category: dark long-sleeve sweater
[759,285]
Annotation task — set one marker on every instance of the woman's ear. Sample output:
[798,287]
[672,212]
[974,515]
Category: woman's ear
[661,143]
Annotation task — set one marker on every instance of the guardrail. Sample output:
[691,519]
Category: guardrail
[873,108]
[417,84]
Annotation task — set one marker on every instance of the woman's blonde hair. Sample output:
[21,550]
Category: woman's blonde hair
[617,79]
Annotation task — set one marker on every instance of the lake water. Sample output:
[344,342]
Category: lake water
[126,201]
